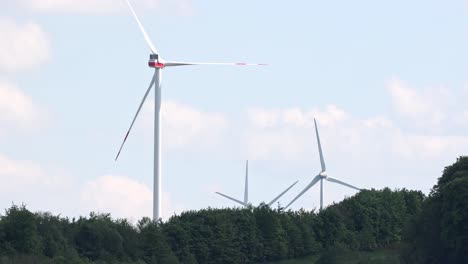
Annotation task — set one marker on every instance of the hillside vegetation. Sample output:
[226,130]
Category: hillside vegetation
[439,234]
[434,230]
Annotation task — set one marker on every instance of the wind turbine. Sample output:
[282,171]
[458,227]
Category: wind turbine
[245,203]
[156,62]
[321,176]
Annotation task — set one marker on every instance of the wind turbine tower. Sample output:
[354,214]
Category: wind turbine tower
[158,64]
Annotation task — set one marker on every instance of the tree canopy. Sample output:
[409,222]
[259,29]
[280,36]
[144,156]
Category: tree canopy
[434,229]
[366,221]
[439,234]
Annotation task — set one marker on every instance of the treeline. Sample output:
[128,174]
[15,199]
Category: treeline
[439,234]
[369,220]
[434,230]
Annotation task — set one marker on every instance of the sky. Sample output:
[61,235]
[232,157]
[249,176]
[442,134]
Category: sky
[386,81]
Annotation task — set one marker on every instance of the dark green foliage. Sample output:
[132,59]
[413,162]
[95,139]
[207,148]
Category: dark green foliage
[50,229]
[272,234]
[20,231]
[439,234]
[369,220]
[97,238]
[153,244]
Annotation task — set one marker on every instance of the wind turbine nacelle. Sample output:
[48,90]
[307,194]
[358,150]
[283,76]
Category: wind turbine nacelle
[323,174]
[154,62]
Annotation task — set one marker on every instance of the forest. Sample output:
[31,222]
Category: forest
[427,229]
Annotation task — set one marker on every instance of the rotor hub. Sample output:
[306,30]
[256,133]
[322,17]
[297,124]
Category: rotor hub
[154,62]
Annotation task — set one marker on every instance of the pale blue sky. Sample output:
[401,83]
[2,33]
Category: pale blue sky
[385,79]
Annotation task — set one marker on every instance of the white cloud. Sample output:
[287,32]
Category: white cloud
[406,100]
[332,115]
[293,135]
[428,146]
[24,174]
[119,195]
[39,187]
[18,109]
[183,125]
[433,108]
[123,197]
[22,46]
[264,118]
[369,152]
[14,174]
[422,106]
[183,7]
[378,121]
[285,133]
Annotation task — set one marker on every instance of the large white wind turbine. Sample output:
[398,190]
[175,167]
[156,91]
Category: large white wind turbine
[322,176]
[158,64]
[245,203]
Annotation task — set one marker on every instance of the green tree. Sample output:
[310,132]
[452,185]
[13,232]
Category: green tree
[440,233]
[153,244]
[272,233]
[50,230]
[20,230]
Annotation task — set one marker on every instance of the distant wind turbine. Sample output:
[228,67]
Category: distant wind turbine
[322,176]
[245,203]
[158,64]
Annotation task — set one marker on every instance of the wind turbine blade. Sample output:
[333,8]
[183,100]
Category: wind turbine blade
[342,183]
[322,161]
[232,199]
[312,183]
[281,194]
[136,115]
[178,63]
[246,189]
[143,31]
